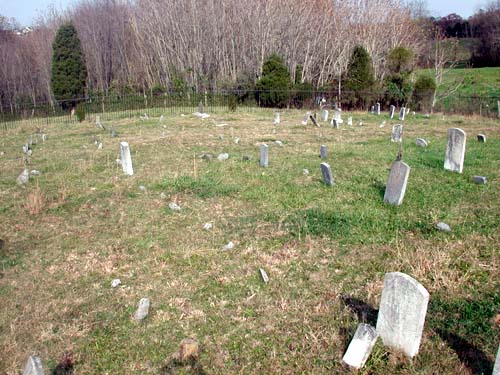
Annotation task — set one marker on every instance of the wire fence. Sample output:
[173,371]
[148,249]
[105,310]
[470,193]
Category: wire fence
[115,107]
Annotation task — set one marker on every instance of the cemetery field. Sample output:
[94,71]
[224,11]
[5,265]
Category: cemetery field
[82,222]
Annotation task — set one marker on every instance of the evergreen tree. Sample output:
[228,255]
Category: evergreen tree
[69,72]
[360,80]
[398,84]
[272,88]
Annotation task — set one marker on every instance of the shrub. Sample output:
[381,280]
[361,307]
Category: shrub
[423,93]
[360,80]
[272,88]
[232,102]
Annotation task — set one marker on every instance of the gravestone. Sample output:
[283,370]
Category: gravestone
[481,138]
[126,159]
[455,150]
[397,133]
[401,316]
[313,119]
[443,227]
[33,366]
[264,276]
[496,366]
[408,110]
[396,184]
[391,111]
[335,124]
[200,107]
[360,346]
[143,309]
[23,178]
[349,121]
[264,155]
[372,110]
[327,174]
[306,118]
[324,115]
[277,119]
[498,107]
[322,152]
[223,156]
[113,132]
[402,113]
[480,180]
[420,142]
[337,115]
[377,108]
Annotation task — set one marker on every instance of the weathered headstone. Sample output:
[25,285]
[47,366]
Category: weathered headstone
[23,178]
[143,309]
[223,156]
[408,110]
[264,276]
[335,124]
[349,121]
[397,133]
[455,150]
[480,180]
[313,119]
[402,113]
[327,174]
[264,155]
[33,366]
[496,366]
[277,119]
[322,152]
[391,111]
[372,110]
[337,115]
[402,312]
[377,108]
[360,346]
[306,118]
[126,159]
[396,184]
[443,227]
[324,115]
[116,283]
[420,142]
[200,107]
[481,138]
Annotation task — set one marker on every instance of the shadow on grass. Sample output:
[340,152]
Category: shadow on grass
[174,367]
[365,312]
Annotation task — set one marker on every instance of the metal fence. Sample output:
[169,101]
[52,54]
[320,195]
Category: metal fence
[114,107]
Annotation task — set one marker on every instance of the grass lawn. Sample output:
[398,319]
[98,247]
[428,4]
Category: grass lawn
[83,223]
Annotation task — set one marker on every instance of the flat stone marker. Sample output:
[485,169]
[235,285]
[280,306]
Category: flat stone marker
[126,159]
[397,133]
[361,346]
[377,108]
[223,156]
[396,185]
[455,150]
[327,174]
[481,138]
[33,366]
[443,227]
[306,118]
[402,312]
[324,115]
[392,109]
[264,155]
[496,367]
[402,113]
[143,309]
[420,142]
[264,276]
[480,180]
[277,119]
[322,152]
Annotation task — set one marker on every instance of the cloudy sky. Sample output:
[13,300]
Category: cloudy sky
[24,11]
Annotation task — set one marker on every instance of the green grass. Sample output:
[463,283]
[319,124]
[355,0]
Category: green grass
[82,223]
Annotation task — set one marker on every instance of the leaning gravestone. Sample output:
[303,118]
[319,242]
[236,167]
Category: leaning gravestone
[126,159]
[322,152]
[420,142]
[306,118]
[324,115]
[496,367]
[481,138]
[264,155]
[327,174]
[33,366]
[401,316]
[377,108]
[361,346]
[391,111]
[455,150]
[396,184]
[402,114]
[397,133]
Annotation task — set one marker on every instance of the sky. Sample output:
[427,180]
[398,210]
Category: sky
[25,11]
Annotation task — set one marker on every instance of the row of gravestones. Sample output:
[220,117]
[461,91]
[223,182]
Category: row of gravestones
[400,323]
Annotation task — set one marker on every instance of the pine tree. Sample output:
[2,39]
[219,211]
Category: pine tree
[69,72]
[360,79]
[273,87]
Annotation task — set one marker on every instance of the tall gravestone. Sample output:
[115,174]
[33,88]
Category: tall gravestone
[402,312]
[200,107]
[377,108]
[264,155]
[402,113]
[397,133]
[455,150]
[33,366]
[349,121]
[326,171]
[126,159]
[391,111]
[324,115]
[323,152]
[396,184]
[277,119]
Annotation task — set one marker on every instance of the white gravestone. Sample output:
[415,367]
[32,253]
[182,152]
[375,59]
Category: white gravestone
[397,133]
[324,115]
[455,150]
[277,119]
[143,309]
[33,366]
[377,108]
[327,174]
[349,121]
[306,118]
[323,152]
[402,114]
[396,184]
[361,346]
[402,312]
[126,159]
[264,155]
[420,142]
[391,111]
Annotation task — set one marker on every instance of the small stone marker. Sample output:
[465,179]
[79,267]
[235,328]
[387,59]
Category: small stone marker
[174,206]
[455,150]
[443,227]
[143,309]
[229,246]
[278,143]
[115,283]
[377,108]
[391,111]
[349,121]
[322,152]
[207,226]
[126,159]
[372,110]
[112,132]
[277,119]
[200,107]
[337,115]
[305,172]
[264,155]
[33,366]
[306,118]
[402,312]
[420,142]
[327,174]
[481,138]
[382,124]
[23,178]
[396,185]
[264,276]
[397,133]
[402,113]
[496,366]
[480,180]
[324,115]
[223,156]
[361,346]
